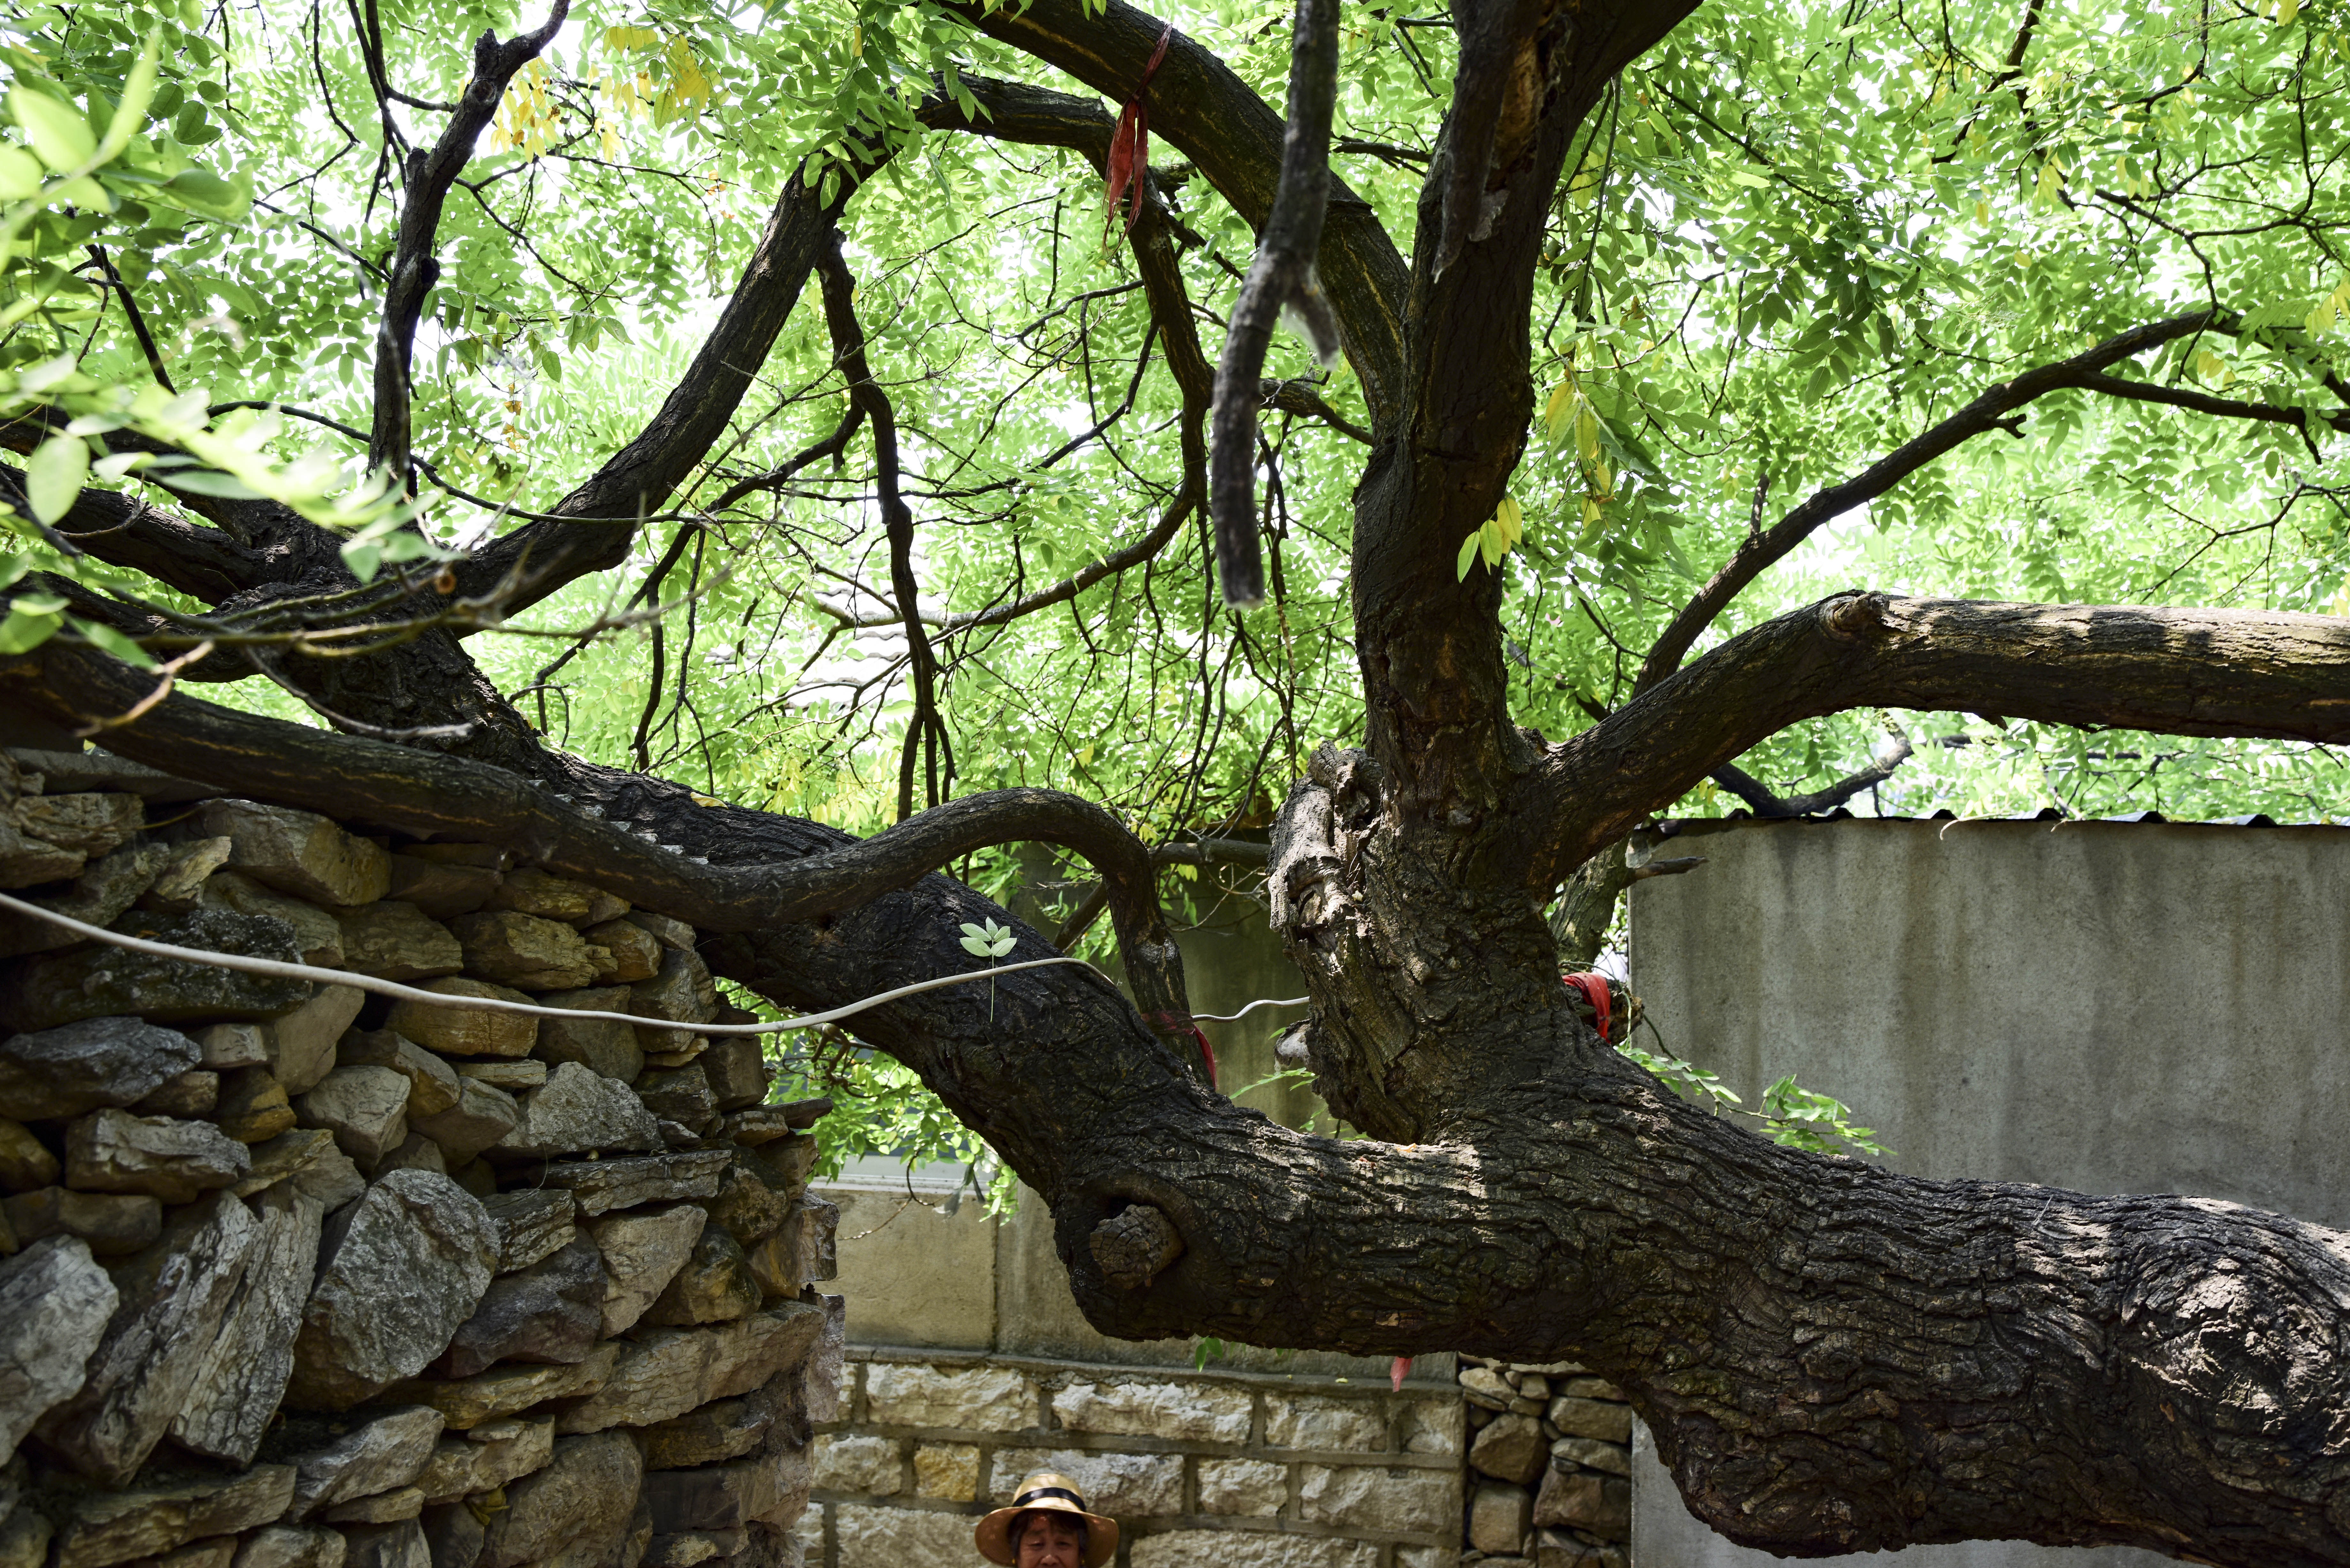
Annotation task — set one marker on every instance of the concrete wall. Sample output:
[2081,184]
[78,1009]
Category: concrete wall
[2100,1006]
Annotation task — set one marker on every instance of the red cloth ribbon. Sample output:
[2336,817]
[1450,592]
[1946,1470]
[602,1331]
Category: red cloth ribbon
[1594,987]
[1174,1025]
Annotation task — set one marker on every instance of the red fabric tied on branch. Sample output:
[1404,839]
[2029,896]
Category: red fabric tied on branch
[1129,144]
[1594,987]
[1170,1023]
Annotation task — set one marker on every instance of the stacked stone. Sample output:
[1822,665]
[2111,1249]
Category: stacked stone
[1550,1466]
[1234,1469]
[297,1277]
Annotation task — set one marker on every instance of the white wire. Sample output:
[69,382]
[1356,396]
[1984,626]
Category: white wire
[1252,1007]
[280,970]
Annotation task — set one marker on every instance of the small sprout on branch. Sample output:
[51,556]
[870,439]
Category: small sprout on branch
[989,941]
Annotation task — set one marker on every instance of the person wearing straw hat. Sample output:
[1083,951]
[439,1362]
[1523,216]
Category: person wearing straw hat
[1046,1527]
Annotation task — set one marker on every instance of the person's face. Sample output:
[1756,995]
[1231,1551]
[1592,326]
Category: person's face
[1047,1542]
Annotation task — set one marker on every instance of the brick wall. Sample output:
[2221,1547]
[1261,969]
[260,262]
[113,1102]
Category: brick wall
[1234,1469]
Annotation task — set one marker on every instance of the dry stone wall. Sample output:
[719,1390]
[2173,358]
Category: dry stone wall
[1550,1465]
[293,1276]
[1237,1469]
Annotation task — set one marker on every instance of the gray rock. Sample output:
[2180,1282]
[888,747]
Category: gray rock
[308,1160]
[551,1312]
[399,1269]
[483,1114]
[604,1185]
[432,1084]
[195,1092]
[231,1046]
[642,1252]
[680,1094]
[445,889]
[469,1402]
[729,1496]
[103,890]
[177,1161]
[532,1224]
[301,1045]
[109,1527]
[457,1031]
[358,1456]
[721,1429]
[609,1048]
[525,951]
[682,993]
[663,1372]
[1510,1448]
[79,1067]
[486,1458]
[365,1107]
[114,1225]
[299,852]
[252,1105]
[315,932]
[820,1372]
[511,1075]
[180,887]
[804,1251]
[55,1302]
[736,1067]
[673,934]
[91,823]
[29,862]
[587,1492]
[397,940]
[39,994]
[399,1545]
[579,1111]
[26,1163]
[714,1286]
[235,1393]
[25,1539]
[532,891]
[416,1152]
[453,1534]
[175,1295]
[291,1546]
[634,953]
[753,1202]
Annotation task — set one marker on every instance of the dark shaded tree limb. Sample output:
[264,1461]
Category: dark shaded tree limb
[1280,276]
[1302,397]
[1763,804]
[1994,409]
[414,268]
[137,318]
[206,563]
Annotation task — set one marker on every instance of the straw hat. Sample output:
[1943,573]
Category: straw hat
[1058,1493]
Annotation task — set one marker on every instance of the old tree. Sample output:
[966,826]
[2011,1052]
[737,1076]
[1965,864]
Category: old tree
[348,340]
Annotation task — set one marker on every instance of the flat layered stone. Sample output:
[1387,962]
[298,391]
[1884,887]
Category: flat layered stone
[1244,1487]
[75,1068]
[89,823]
[1585,1500]
[804,1251]
[180,886]
[365,1107]
[486,1458]
[577,1111]
[846,1461]
[227,1046]
[467,1403]
[309,1161]
[254,1106]
[399,1271]
[682,995]
[731,1495]
[587,1492]
[667,1372]
[113,1224]
[531,891]
[29,862]
[110,1527]
[299,852]
[464,1031]
[549,1312]
[977,1398]
[443,889]
[532,1224]
[235,1393]
[680,1094]
[752,1202]
[383,1508]
[513,1076]
[670,932]
[433,1085]
[483,1114]
[633,954]
[176,1161]
[302,1044]
[792,1159]
[1576,1417]
[736,1068]
[1510,1448]
[175,1297]
[1372,1497]
[290,1546]
[354,1457]
[416,1152]
[608,1047]
[453,1534]
[715,1285]
[55,1303]
[26,1163]
[603,1185]
[192,1094]
[1593,1453]
[316,936]
[721,1429]
[1153,1407]
[690,1548]
[523,950]
[399,1545]
[642,1252]
[395,940]
[103,891]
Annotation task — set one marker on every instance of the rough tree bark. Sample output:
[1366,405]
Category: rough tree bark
[1833,1357]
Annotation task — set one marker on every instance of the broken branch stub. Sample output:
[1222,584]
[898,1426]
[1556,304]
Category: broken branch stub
[1134,1246]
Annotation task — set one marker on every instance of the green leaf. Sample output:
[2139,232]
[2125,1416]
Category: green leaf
[138,91]
[20,174]
[59,135]
[1468,554]
[211,482]
[201,190]
[32,621]
[114,642]
[53,476]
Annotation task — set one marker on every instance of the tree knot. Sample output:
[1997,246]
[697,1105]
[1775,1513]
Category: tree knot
[1135,1246]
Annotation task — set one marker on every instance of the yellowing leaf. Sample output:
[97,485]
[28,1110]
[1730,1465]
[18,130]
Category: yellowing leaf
[58,134]
[2212,367]
[2286,11]
[1587,433]
[1468,554]
[1557,411]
